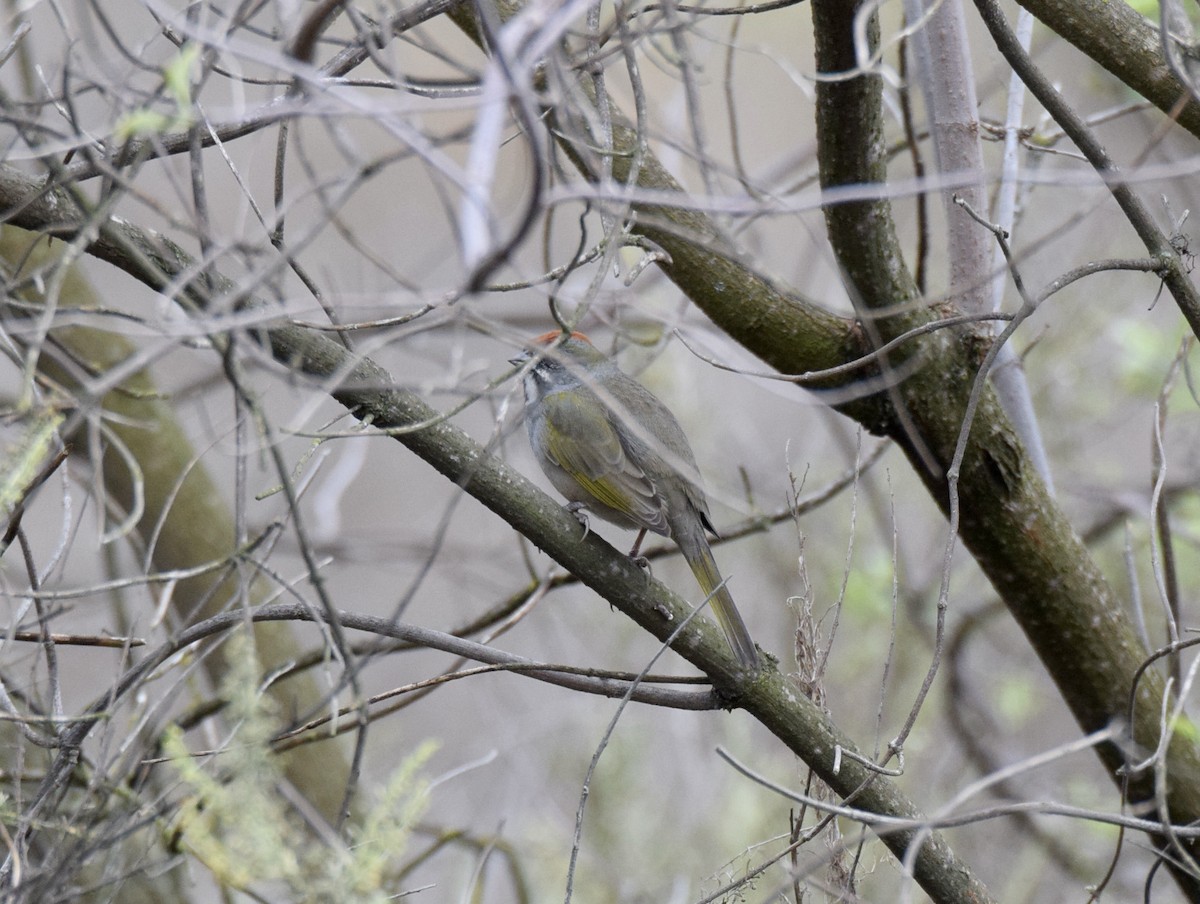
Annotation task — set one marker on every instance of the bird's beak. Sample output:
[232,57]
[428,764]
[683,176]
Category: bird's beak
[521,358]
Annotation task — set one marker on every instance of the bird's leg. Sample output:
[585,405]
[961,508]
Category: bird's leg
[640,561]
[637,544]
[579,510]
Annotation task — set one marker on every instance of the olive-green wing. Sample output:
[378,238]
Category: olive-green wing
[581,439]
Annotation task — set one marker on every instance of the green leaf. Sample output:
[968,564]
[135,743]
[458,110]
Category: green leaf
[177,76]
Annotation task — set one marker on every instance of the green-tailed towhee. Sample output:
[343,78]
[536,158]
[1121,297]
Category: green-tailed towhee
[611,447]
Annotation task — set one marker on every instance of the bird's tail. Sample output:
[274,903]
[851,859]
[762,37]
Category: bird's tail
[699,556]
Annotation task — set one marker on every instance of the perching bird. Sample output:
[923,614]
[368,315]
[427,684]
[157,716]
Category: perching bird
[612,448]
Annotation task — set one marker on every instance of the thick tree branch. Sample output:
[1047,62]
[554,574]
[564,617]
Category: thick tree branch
[1011,525]
[1125,43]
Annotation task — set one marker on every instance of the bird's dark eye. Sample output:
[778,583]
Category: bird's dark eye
[549,374]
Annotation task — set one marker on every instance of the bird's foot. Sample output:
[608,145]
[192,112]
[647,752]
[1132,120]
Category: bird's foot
[579,510]
[643,563]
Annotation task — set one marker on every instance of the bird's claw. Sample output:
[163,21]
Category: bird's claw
[643,563]
[579,510]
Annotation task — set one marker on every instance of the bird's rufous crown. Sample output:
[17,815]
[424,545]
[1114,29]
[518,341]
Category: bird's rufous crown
[550,337]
